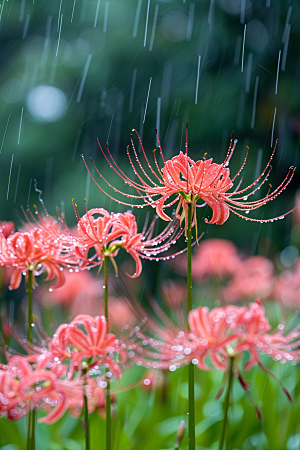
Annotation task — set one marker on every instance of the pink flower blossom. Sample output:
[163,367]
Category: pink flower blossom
[214,338]
[230,331]
[35,250]
[184,181]
[107,233]
[215,331]
[216,258]
[7,228]
[35,382]
[287,287]
[86,339]
[252,278]
[173,293]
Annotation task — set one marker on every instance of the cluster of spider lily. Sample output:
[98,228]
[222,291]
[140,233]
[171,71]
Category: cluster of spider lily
[72,370]
[82,355]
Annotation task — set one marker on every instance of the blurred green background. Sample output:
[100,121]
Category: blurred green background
[75,70]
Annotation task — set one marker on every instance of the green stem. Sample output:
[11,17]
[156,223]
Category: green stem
[106,259]
[31,414]
[226,405]
[30,315]
[28,445]
[33,430]
[86,422]
[108,398]
[192,438]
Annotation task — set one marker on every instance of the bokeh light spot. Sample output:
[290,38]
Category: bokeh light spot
[46,103]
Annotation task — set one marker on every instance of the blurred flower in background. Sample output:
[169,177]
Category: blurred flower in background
[254,278]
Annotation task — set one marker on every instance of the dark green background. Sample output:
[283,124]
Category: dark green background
[49,152]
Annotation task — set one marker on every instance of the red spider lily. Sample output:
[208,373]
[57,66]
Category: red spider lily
[287,286]
[190,181]
[216,258]
[107,233]
[215,331]
[253,277]
[35,250]
[86,338]
[35,382]
[230,331]
[218,336]
[39,382]
[47,244]
[6,228]
[258,339]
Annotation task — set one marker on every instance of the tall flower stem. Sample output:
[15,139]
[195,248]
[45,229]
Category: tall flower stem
[86,421]
[30,315]
[226,404]
[31,414]
[191,382]
[108,399]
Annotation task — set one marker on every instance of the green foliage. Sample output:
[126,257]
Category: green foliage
[145,420]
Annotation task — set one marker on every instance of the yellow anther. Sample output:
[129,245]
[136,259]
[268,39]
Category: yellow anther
[73,200]
[127,147]
[294,169]
[205,154]
[154,150]
[84,199]
[247,147]
[35,207]
[270,185]
[75,205]
[133,129]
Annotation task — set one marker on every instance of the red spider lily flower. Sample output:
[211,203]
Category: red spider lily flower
[287,287]
[92,344]
[35,382]
[184,181]
[107,233]
[230,331]
[7,228]
[257,338]
[35,250]
[216,258]
[46,244]
[216,336]
[215,331]
[253,278]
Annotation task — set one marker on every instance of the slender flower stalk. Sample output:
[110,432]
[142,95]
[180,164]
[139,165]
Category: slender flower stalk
[86,422]
[86,417]
[108,398]
[30,314]
[226,404]
[31,414]
[191,378]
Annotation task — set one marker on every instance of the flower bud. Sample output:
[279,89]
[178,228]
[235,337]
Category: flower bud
[180,435]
